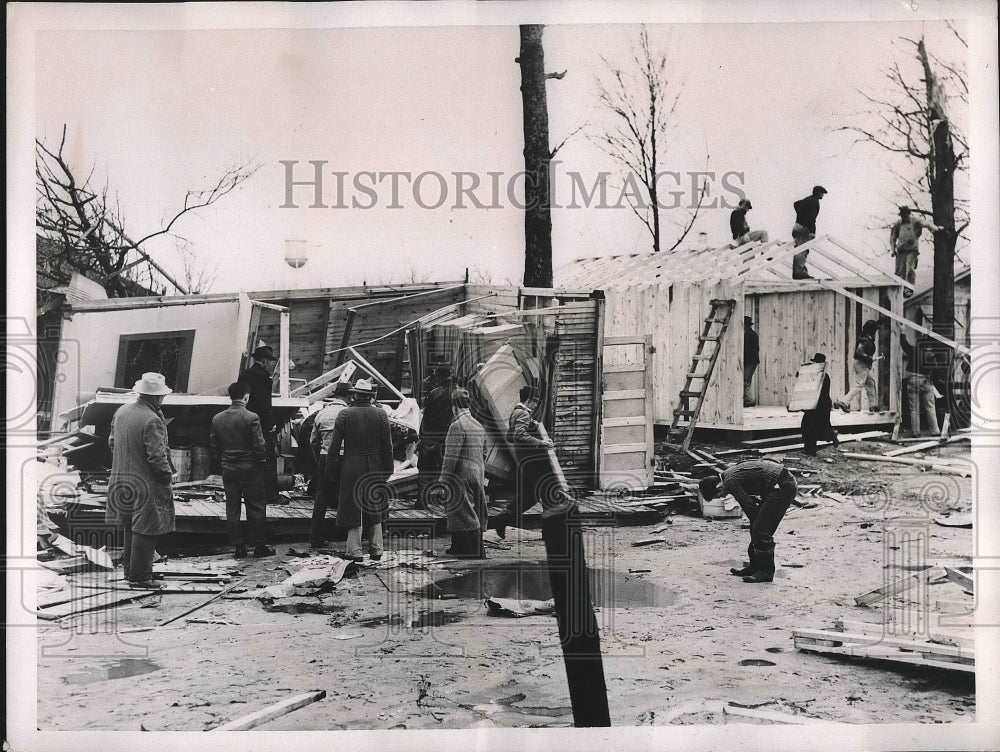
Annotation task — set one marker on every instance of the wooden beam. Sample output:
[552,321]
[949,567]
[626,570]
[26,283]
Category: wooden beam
[936,466]
[959,578]
[374,372]
[769,715]
[871,267]
[895,317]
[269,306]
[271,712]
[932,444]
[890,590]
[381,301]
[283,355]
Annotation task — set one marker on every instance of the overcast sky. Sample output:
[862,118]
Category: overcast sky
[159,112]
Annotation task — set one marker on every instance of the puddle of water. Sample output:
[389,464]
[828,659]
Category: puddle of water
[119,670]
[607,589]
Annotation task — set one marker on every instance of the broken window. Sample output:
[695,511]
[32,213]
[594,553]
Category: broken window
[168,353]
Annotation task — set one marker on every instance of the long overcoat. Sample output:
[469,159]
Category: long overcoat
[141,470]
[366,464]
[464,472]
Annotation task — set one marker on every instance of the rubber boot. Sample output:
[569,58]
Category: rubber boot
[749,568]
[765,567]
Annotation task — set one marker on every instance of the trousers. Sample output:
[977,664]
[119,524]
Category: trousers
[766,516]
[862,381]
[374,535]
[327,497]
[920,395]
[243,485]
[748,372]
[906,265]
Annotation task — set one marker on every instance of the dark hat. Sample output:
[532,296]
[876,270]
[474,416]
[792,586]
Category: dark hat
[819,358]
[904,210]
[819,189]
[262,352]
[745,203]
[342,389]
[747,320]
[443,370]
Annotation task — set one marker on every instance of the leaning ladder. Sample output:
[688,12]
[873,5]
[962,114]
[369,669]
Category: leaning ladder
[709,346]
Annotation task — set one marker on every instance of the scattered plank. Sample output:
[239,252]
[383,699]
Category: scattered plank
[648,541]
[932,444]
[868,640]
[959,578]
[91,602]
[274,711]
[960,520]
[890,590]
[935,466]
[768,715]
[886,654]
[204,603]
[845,440]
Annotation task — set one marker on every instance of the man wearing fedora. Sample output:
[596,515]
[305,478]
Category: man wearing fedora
[140,496]
[363,432]
[804,229]
[259,378]
[237,445]
[434,423]
[816,422]
[904,239]
[739,227]
[328,486]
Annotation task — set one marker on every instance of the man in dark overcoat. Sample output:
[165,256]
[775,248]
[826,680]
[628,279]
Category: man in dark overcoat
[816,422]
[434,422]
[260,379]
[363,432]
[140,495]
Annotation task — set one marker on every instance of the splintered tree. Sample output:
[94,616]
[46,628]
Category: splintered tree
[81,230]
[913,122]
[642,101]
[537,157]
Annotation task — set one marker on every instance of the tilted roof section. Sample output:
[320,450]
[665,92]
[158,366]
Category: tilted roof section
[829,259]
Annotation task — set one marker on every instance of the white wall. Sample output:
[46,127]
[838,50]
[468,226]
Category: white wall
[90,343]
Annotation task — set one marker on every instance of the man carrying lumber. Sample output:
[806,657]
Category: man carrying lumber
[816,422]
[259,378]
[237,444]
[531,460]
[804,229]
[433,428]
[740,228]
[140,497]
[764,490]
[362,430]
[328,487]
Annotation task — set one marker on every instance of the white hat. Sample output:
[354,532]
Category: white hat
[152,384]
[363,386]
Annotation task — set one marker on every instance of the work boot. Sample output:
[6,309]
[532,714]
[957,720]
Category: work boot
[749,568]
[765,567]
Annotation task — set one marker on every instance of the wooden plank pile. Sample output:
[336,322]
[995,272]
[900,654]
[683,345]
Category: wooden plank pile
[877,642]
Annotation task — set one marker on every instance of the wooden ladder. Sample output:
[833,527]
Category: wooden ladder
[709,346]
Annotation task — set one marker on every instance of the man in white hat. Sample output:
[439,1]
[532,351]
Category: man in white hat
[365,466]
[140,497]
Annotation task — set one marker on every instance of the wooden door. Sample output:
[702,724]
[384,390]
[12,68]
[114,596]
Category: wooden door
[626,451]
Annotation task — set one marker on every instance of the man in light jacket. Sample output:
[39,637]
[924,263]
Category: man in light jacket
[327,487]
[463,475]
[140,495]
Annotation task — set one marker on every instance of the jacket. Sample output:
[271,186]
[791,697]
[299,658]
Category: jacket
[806,211]
[751,478]
[141,471]
[236,438]
[738,223]
[322,431]
[260,383]
[520,429]
[865,351]
[363,432]
[905,236]
[464,473]
[437,414]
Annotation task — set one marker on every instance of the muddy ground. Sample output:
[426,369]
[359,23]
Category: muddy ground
[679,634]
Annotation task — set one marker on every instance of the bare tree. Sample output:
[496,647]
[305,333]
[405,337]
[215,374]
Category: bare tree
[912,124]
[537,158]
[83,229]
[197,277]
[643,101]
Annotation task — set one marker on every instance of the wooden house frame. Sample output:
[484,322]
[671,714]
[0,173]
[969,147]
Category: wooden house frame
[667,296]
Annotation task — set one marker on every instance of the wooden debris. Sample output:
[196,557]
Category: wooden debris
[203,603]
[893,589]
[937,467]
[886,648]
[648,541]
[932,444]
[960,520]
[960,578]
[91,602]
[274,711]
[768,715]
[845,440]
